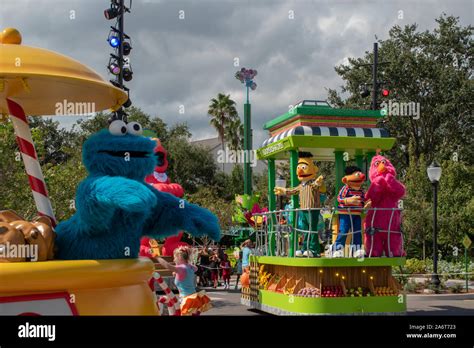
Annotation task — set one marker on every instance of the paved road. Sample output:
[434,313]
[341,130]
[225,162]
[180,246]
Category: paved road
[449,304]
[227,302]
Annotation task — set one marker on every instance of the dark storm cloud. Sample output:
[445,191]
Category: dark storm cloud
[188,61]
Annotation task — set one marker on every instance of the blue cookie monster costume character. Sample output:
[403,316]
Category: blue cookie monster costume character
[115,208]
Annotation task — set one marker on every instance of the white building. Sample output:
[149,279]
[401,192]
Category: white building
[227,159]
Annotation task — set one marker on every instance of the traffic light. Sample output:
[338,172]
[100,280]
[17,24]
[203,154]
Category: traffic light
[385,92]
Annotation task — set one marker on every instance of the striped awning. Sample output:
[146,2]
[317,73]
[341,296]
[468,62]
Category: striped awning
[329,131]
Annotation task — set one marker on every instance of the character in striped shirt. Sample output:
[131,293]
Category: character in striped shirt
[309,196]
[350,205]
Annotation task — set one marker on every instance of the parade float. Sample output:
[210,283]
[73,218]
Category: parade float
[87,265]
[32,81]
[285,280]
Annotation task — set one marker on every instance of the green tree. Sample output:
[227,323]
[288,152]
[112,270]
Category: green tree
[15,191]
[433,69]
[234,134]
[456,205]
[206,196]
[417,222]
[223,113]
[53,144]
[189,165]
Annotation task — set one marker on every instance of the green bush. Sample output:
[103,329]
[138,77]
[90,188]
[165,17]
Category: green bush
[411,286]
[452,270]
[446,269]
[415,266]
[456,288]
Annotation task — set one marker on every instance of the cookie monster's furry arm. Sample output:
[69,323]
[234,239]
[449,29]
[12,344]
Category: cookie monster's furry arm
[123,193]
[100,196]
[172,214]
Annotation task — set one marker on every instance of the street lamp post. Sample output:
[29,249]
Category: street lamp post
[434,174]
[246,76]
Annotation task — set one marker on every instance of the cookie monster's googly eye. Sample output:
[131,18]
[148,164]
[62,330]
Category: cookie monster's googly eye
[118,127]
[134,128]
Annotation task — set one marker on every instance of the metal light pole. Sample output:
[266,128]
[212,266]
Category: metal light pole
[246,76]
[376,84]
[120,48]
[434,174]
[374,76]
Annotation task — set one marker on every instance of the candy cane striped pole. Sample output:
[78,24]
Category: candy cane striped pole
[30,160]
[173,304]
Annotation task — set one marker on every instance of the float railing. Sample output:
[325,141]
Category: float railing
[276,226]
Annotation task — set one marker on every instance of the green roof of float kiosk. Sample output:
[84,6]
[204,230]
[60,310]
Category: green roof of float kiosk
[313,124]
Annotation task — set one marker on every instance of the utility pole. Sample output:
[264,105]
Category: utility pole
[376,84]
[374,76]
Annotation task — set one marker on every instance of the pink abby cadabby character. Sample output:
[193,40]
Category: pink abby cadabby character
[382,227]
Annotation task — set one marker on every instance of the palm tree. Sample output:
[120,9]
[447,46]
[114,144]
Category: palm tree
[234,134]
[222,111]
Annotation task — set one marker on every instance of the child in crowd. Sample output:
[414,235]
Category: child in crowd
[192,302]
[214,267]
[238,269]
[226,269]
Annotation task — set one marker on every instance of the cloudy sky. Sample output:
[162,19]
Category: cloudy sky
[294,45]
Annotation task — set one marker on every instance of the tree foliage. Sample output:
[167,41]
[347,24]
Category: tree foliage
[434,69]
[60,155]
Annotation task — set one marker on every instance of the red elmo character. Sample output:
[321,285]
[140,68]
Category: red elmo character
[159,180]
[384,192]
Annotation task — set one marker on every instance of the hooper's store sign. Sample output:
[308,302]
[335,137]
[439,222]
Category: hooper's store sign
[270,149]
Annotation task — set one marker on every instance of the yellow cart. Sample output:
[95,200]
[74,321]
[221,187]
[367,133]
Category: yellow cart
[77,287]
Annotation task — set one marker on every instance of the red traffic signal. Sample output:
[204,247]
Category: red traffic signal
[385,92]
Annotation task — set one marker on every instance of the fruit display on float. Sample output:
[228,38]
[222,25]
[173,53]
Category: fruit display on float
[358,292]
[309,292]
[281,284]
[293,285]
[332,291]
[263,277]
[272,284]
[384,291]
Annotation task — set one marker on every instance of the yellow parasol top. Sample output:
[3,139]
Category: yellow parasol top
[43,81]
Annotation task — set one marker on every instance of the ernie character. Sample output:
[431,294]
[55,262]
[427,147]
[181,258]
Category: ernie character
[309,196]
[351,201]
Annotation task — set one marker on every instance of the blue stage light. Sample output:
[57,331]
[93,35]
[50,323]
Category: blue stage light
[114,41]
